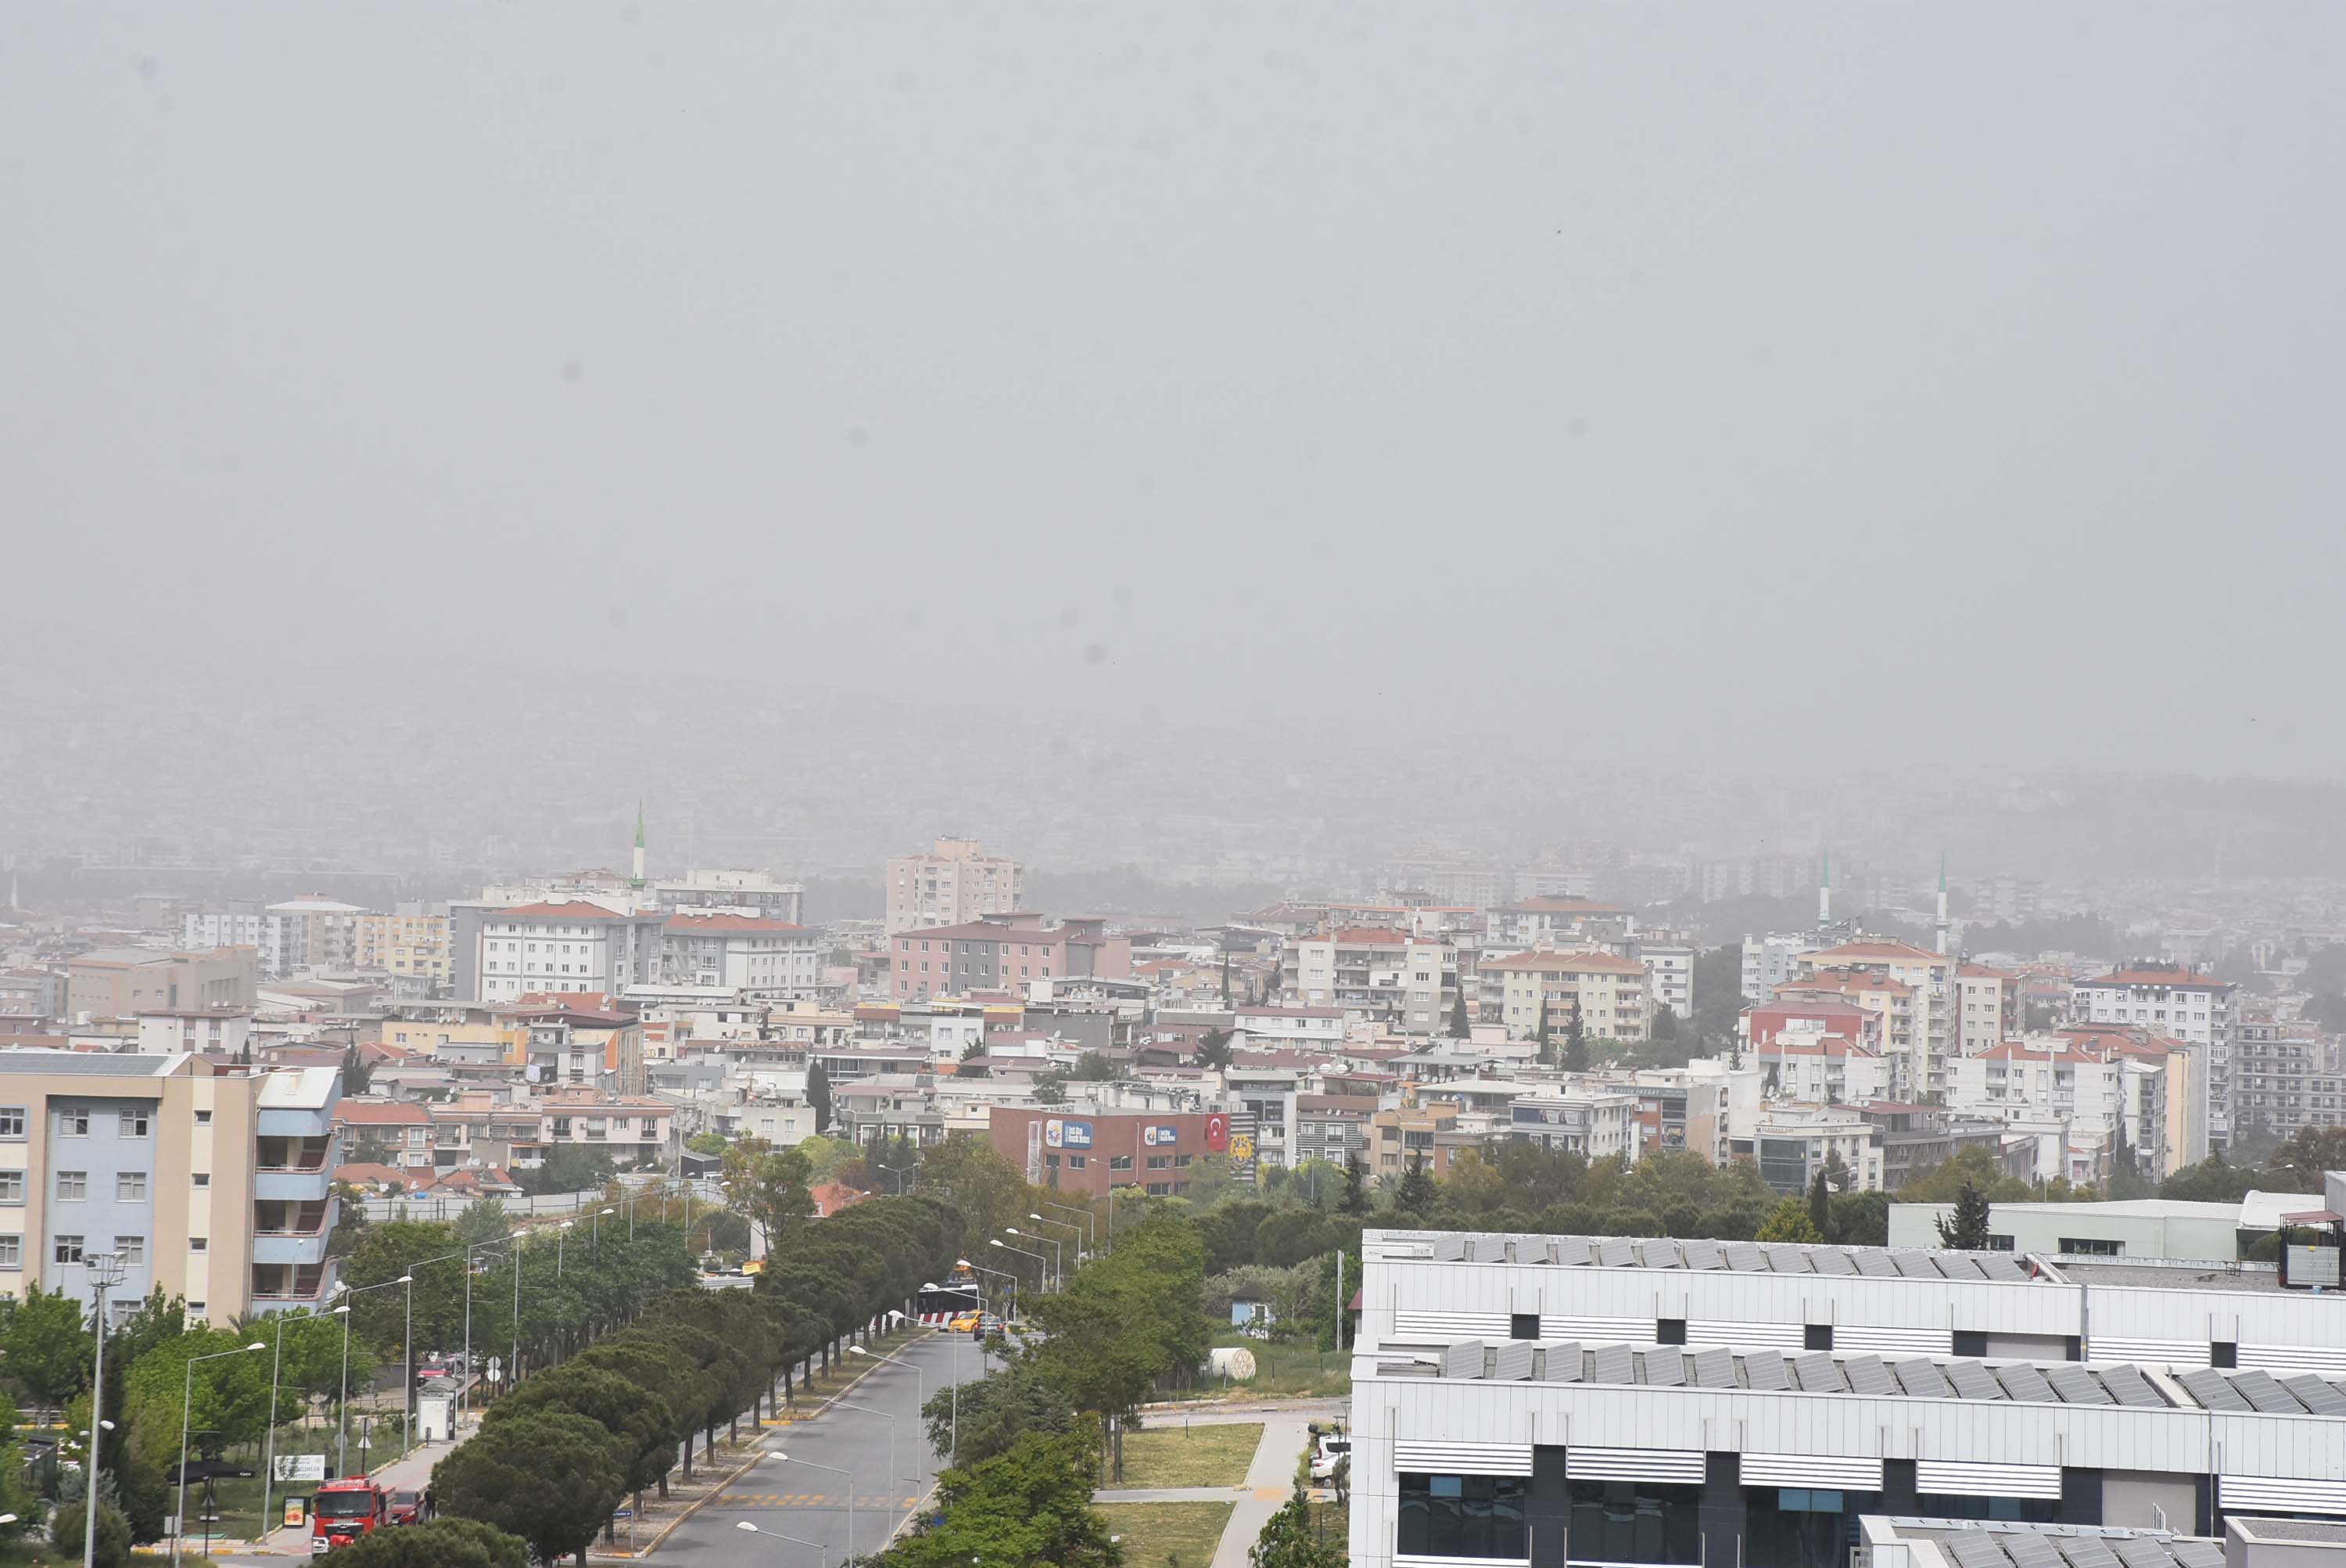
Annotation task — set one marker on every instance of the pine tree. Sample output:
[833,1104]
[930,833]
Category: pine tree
[818,1093]
[1458,1028]
[1356,1197]
[1546,1057]
[1575,1042]
[1967,1228]
[1414,1197]
[1821,1203]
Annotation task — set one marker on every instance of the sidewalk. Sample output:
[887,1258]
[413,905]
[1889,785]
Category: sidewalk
[1269,1481]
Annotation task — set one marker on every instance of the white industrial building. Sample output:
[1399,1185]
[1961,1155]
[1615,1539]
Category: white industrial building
[1548,1400]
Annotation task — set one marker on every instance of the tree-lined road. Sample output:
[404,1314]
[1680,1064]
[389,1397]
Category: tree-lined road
[801,1500]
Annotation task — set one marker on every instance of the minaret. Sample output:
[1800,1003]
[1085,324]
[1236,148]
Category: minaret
[1824,887]
[1943,903]
[638,877]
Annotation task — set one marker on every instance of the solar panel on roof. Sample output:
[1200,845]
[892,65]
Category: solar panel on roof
[1572,1251]
[2031,1551]
[1999,1267]
[1659,1254]
[2316,1394]
[2197,1553]
[2085,1552]
[1975,1549]
[2256,1386]
[1765,1370]
[2213,1390]
[1611,1364]
[1714,1367]
[1702,1254]
[1916,1266]
[1922,1379]
[2140,1551]
[1745,1259]
[1867,1375]
[1665,1368]
[2073,1385]
[1823,1260]
[1971,1381]
[2131,1388]
[1449,1249]
[1819,1373]
[1958,1265]
[1614,1252]
[2024,1383]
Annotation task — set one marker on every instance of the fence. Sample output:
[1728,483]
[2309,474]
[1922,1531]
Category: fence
[428,1205]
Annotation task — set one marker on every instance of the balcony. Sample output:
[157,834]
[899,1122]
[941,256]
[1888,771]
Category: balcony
[278,1287]
[293,1170]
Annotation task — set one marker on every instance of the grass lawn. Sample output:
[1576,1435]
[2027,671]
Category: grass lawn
[1202,1456]
[1158,1533]
[1298,1370]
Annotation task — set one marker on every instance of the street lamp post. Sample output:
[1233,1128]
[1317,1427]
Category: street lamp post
[187,1402]
[1091,1223]
[1058,1274]
[1063,1224]
[104,1270]
[920,1382]
[343,1416]
[1041,1263]
[822,1553]
[833,1469]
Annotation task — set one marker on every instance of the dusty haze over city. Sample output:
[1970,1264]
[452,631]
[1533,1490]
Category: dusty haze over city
[1205,437]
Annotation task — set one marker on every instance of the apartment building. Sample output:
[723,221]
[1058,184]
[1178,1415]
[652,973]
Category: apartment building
[1793,1144]
[414,941]
[1425,1136]
[2283,1080]
[1669,971]
[1377,973]
[124,982]
[1554,922]
[1004,952]
[565,945]
[1613,993]
[1987,1008]
[1921,1034]
[955,883]
[1444,878]
[1596,1124]
[2173,1001]
[2104,1091]
[1545,1401]
[765,960]
[222,1031]
[1093,1150]
[758,894]
[211,1184]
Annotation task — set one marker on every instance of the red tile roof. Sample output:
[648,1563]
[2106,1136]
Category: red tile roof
[1902,951]
[577,909]
[381,1114]
[1545,963]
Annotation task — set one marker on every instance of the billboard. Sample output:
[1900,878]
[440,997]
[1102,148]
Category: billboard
[1157,1136]
[1066,1134]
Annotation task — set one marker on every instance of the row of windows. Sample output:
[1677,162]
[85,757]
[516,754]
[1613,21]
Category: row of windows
[129,1186]
[69,1249]
[73,1122]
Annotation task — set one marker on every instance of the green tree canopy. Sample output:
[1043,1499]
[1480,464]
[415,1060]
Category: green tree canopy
[1027,1507]
[442,1543]
[550,1477]
[1788,1221]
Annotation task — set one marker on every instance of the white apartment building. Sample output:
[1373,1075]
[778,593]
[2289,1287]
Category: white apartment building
[2174,1001]
[1374,973]
[1919,1043]
[756,893]
[295,935]
[1807,1063]
[763,960]
[1669,973]
[1769,961]
[1791,1144]
[1614,993]
[2110,1095]
[565,945]
[202,1031]
[1600,1123]
[1987,1008]
[1275,1026]
[953,884]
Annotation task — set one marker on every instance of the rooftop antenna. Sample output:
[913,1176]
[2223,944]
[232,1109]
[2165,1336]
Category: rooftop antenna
[639,864]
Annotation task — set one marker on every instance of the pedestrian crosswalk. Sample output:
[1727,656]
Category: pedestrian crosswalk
[806,1500]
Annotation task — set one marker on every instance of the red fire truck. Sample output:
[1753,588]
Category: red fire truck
[344,1510]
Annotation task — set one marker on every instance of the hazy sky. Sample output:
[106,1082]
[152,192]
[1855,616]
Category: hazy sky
[1943,382]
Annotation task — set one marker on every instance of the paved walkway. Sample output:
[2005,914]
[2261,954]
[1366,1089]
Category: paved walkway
[1269,1479]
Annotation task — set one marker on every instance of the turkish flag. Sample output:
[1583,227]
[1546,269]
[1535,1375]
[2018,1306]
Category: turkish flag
[1217,1133]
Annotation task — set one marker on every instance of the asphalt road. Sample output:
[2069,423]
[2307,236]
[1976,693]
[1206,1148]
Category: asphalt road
[793,1497]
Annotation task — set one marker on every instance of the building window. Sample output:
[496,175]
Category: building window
[1468,1516]
[1075,1162]
[12,1252]
[133,1249]
[1120,1162]
[12,1121]
[12,1186]
[130,1186]
[132,1123]
[72,1186]
[73,1123]
[2092,1246]
[1160,1162]
[2031,1509]
[201,1178]
[198,1244]
[69,1249]
[203,1118]
[1803,1527]
[1633,1521]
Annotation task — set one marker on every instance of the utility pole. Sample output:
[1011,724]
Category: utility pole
[104,1270]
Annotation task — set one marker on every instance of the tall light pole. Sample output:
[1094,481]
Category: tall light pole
[833,1469]
[343,1419]
[104,1270]
[920,1382]
[822,1553]
[1058,1274]
[1063,1224]
[893,1479]
[1090,1219]
[1041,1263]
[595,1229]
[187,1400]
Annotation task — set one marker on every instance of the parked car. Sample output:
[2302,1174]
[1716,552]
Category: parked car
[405,1506]
[1333,1450]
